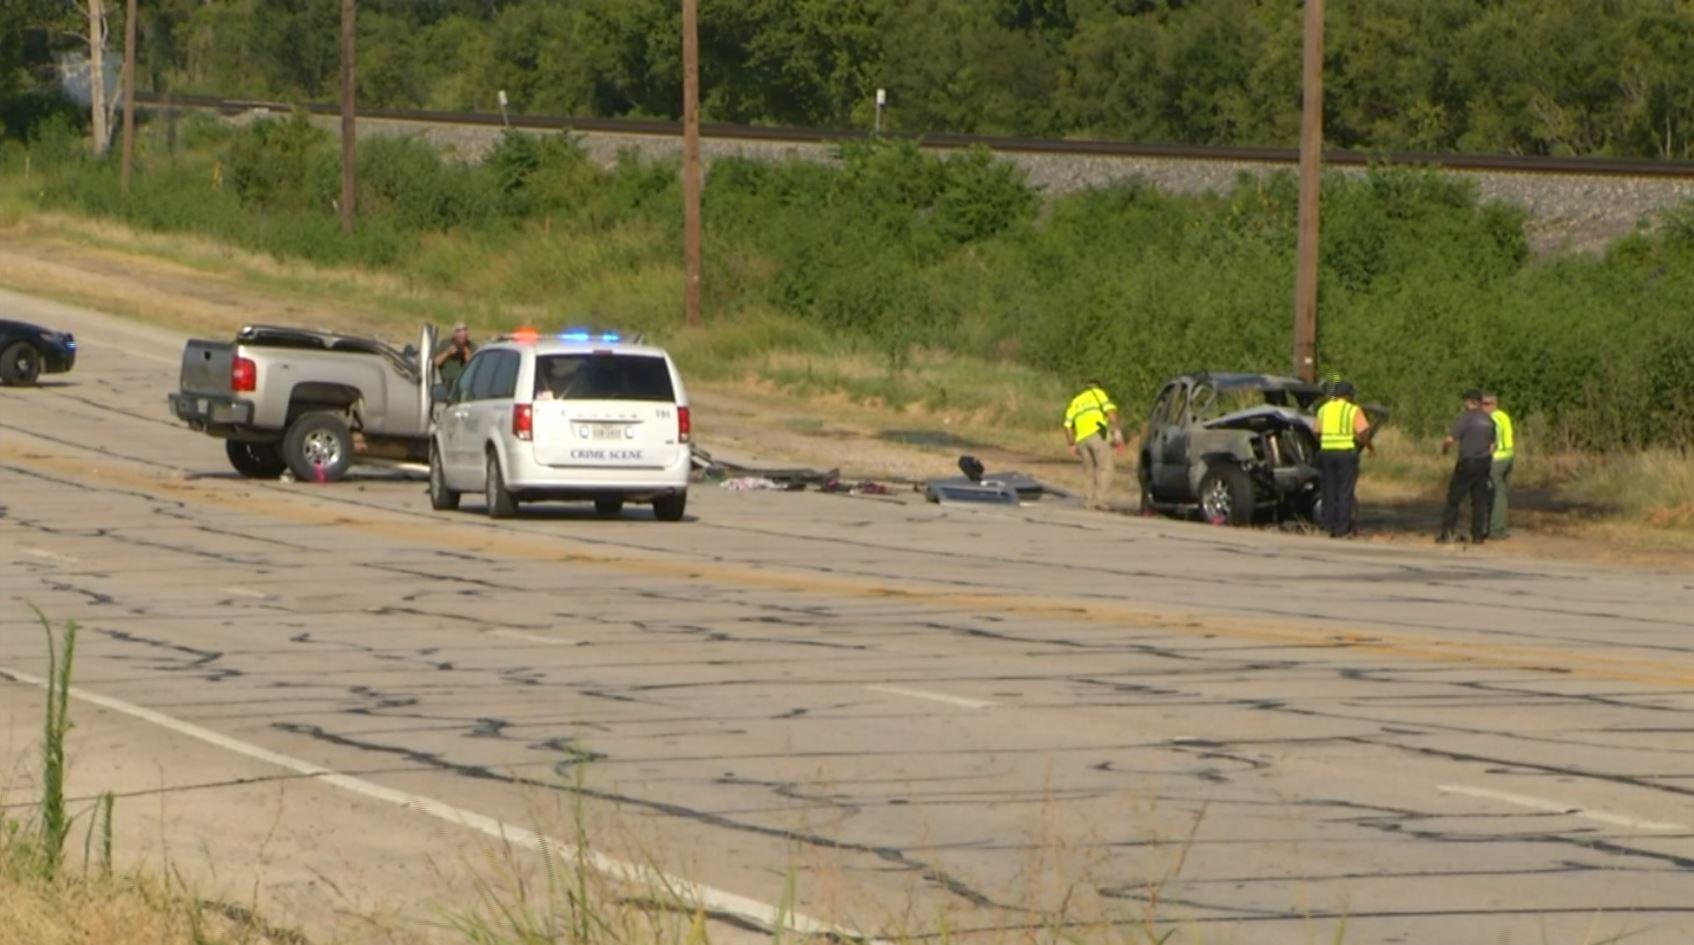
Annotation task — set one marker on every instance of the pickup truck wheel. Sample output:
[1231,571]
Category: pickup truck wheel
[255,460]
[608,508]
[318,441]
[20,365]
[441,498]
[1226,496]
[669,508]
[500,502]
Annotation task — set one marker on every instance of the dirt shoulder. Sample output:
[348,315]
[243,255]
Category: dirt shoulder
[186,285]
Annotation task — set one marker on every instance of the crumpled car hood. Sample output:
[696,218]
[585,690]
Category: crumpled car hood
[1257,418]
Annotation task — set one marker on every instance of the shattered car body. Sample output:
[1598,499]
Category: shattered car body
[1233,445]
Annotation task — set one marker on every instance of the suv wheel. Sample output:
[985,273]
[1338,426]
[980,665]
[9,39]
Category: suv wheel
[669,508]
[255,460]
[318,446]
[499,501]
[441,498]
[1226,496]
[20,365]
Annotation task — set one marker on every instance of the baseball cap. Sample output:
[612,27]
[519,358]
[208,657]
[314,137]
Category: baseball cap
[1344,389]
[1473,394]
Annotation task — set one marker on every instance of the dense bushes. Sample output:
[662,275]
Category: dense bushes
[1424,291]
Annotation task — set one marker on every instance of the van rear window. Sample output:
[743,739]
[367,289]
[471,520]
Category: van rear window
[603,377]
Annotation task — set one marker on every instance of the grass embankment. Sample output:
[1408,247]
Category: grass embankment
[928,288]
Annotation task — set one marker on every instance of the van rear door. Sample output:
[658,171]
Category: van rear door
[606,409]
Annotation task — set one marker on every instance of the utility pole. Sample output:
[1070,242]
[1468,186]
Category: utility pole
[1311,177]
[100,115]
[129,99]
[349,154]
[691,160]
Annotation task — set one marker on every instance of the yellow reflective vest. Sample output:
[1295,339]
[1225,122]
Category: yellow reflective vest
[1087,413]
[1505,438]
[1336,420]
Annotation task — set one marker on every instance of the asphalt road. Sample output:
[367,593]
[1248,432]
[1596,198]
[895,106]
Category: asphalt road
[923,718]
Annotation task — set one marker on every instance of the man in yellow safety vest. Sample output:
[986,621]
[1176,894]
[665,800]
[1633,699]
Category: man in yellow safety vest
[1092,432]
[1342,429]
[1505,450]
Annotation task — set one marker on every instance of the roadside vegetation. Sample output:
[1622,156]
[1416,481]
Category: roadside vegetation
[927,285]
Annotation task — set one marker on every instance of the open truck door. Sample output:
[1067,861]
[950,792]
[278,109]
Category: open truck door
[426,375]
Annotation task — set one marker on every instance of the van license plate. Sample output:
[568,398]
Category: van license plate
[609,431]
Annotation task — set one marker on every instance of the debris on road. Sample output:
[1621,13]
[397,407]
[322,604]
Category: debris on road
[978,487]
[868,487]
[752,484]
[706,467]
[959,490]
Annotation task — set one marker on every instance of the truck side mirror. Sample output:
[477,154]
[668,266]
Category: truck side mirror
[438,393]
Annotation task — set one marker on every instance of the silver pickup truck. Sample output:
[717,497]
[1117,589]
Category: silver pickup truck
[312,402]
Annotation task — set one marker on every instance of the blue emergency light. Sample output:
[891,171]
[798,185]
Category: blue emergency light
[583,335]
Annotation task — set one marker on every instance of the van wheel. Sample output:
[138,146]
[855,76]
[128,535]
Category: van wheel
[608,508]
[1226,496]
[499,501]
[20,365]
[669,508]
[318,441]
[441,498]
[255,460]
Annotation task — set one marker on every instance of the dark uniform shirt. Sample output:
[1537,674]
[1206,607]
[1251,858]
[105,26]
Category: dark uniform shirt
[452,367]
[1474,432]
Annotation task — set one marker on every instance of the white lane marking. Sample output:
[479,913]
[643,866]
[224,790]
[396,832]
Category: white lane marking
[1558,807]
[932,697]
[532,638]
[244,592]
[50,555]
[712,898]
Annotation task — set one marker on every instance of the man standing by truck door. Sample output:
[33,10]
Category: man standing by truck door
[1092,431]
[1342,428]
[1474,435]
[1505,450]
[453,354]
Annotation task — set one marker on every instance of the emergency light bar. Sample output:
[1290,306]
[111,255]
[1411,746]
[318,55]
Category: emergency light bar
[573,335]
[584,335]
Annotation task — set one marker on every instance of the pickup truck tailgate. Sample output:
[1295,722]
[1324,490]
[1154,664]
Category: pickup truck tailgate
[206,367]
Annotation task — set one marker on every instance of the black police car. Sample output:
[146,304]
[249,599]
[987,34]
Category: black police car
[29,351]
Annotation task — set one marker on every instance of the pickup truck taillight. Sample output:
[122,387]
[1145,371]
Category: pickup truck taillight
[243,375]
[684,425]
[523,421]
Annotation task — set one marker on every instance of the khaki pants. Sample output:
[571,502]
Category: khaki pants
[1096,454]
[1501,474]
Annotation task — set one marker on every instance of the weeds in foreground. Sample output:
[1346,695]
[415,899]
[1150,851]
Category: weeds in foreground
[46,855]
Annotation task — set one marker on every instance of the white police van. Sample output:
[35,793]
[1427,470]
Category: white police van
[580,416]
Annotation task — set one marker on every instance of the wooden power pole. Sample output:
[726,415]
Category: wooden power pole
[349,153]
[129,99]
[691,160]
[1311,177]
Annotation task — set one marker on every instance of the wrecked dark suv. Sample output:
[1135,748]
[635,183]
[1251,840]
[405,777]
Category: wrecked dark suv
[1234,447]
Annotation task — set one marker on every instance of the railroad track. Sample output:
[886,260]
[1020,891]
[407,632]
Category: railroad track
[1520,164]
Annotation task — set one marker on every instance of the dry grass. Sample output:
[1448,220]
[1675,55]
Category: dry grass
[122,910]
